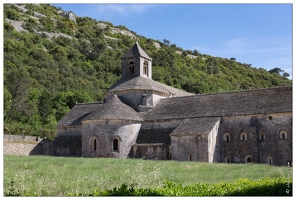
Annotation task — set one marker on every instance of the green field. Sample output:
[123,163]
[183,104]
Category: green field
[60,176]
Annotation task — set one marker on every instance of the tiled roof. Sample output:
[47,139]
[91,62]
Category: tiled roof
[143,83]
[259,101]
[78,113]
[196,126]
[114,109]
[154,136]
[136,51]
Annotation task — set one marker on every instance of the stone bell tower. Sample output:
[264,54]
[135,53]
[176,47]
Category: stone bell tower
[135,62]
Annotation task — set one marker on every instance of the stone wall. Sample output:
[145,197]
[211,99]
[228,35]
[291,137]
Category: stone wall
[98,137]
[24,145]
[190,148]
[151,151]
[261,143]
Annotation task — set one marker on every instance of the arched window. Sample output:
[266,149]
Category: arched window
[243,136]
[115,144]
[226,137]
[283,135]
[145,68]
[131,67]
[93,144]
[248,159]
[269,160]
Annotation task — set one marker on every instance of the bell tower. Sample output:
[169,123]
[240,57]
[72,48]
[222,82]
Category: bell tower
[135,62]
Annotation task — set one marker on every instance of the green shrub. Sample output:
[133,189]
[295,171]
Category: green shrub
[241,187]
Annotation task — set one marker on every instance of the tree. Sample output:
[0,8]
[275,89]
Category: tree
[286,75]
[166,42]
[276,70]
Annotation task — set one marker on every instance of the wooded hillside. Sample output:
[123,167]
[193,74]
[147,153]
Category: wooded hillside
[53,59]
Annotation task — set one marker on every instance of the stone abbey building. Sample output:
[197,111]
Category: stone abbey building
[141,118]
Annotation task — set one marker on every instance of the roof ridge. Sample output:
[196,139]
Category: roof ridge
[87,103]
[231,92]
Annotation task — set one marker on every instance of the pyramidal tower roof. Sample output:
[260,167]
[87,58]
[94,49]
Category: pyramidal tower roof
[136,51]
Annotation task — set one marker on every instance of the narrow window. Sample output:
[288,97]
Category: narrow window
[146,68]
[115,145]
[262,136]
[243,136]
[249,159]
[283,135]
[95,144]
[168,155]
[131,67]
[226,137]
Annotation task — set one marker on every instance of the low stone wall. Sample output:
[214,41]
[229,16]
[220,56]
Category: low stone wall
[24,145]
[19,138]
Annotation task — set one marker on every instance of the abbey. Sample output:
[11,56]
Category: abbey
[141,118]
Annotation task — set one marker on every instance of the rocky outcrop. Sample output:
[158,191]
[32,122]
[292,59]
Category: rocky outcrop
[114,30]
[71,16]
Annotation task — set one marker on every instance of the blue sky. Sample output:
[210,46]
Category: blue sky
[256,34]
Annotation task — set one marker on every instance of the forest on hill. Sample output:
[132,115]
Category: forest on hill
[54,59]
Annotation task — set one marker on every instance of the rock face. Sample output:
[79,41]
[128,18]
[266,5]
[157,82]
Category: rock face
[68,15]
[116,30]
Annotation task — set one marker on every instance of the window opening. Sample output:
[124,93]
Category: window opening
[189,157]
[131,67]
[115,145]
[243,136]
[226,137]
[146,68]
[283,135]
[95,144]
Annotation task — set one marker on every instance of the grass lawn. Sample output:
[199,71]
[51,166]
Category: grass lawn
[59,176]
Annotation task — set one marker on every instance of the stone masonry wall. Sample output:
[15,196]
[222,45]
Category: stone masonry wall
[262,143]
[24,145]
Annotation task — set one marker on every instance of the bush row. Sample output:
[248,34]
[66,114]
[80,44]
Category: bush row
[241,187]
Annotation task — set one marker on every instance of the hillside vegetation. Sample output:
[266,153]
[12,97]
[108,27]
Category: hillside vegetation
[53,59]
